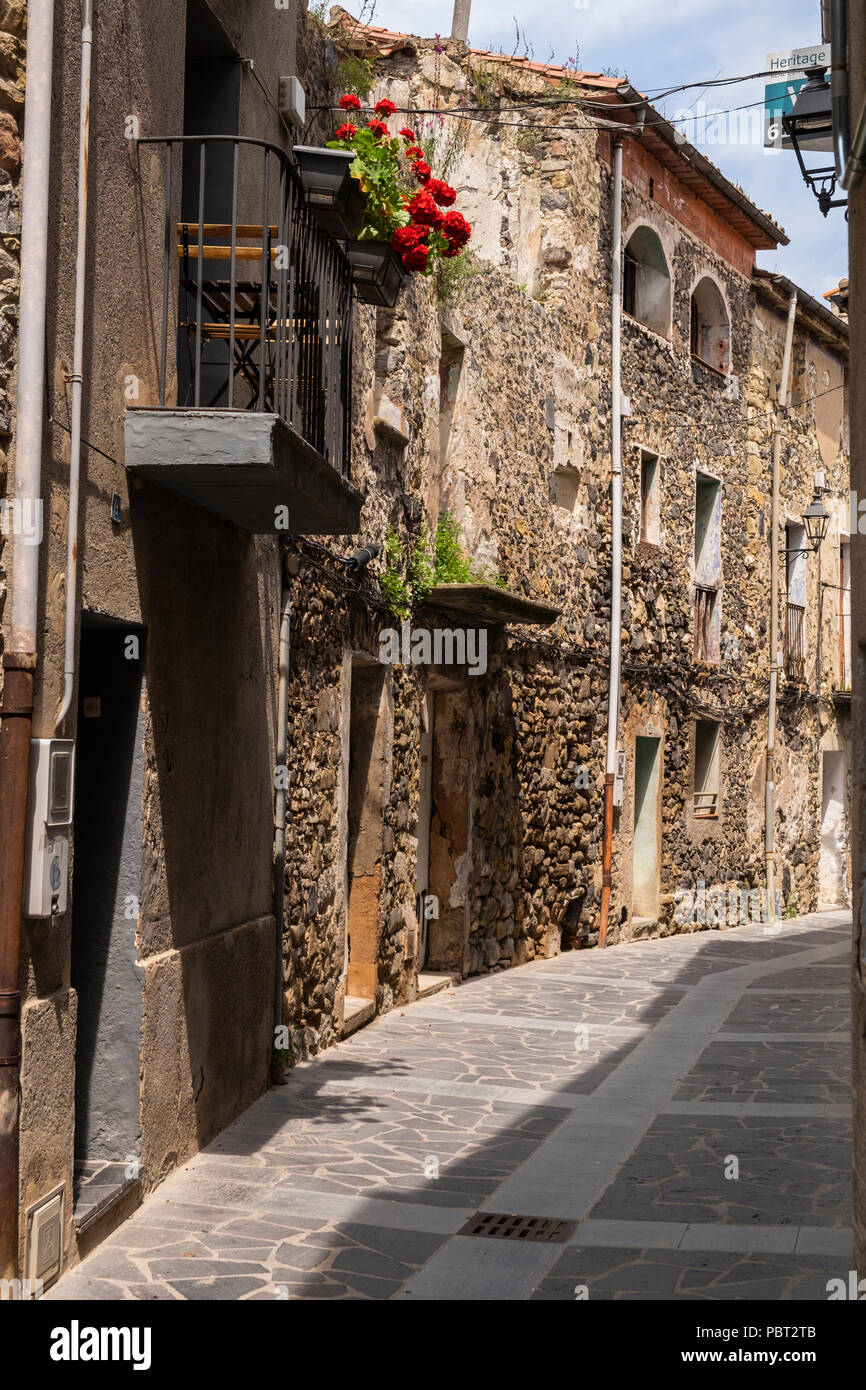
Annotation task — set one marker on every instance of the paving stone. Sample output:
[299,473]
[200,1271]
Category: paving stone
[354,1181]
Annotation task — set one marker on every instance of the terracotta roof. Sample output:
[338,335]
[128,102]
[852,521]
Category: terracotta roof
[839,293]
[354,34]
[663,141]
[828,324]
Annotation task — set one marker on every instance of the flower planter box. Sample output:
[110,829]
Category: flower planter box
[377,272]
[332,195]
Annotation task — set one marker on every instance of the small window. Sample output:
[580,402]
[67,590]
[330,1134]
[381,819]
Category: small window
[707,768]
[629,284]
[707,626]
[646,294]
[795,611]
[845,613]
[649,498]
[710,330]
[708,530]
[564,488]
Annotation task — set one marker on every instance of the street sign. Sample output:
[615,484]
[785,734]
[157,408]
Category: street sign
[790,72]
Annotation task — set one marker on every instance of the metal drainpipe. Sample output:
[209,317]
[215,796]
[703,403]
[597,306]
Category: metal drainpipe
[19,661]
[615,542]
[769,766]
[278,1077]
[839,92]
[76,376]
[850,152]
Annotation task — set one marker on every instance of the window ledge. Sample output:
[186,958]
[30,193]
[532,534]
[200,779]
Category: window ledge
[708,366]
[661,338]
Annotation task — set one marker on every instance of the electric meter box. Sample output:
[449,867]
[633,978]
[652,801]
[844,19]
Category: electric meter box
[619,778]
[49,812]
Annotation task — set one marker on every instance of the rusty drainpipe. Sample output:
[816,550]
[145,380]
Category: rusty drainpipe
[616,543]
[19,661]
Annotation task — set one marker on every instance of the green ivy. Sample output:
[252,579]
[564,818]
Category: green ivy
[451,276]
[442,560]
[394,587]
[452,564]
[355,75]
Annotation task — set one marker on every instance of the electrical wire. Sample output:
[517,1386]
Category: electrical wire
[578,99]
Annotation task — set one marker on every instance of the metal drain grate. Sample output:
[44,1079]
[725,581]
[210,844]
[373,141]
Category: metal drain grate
[500,1227]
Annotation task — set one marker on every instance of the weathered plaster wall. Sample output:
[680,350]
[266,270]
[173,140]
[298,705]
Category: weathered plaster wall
[206,593]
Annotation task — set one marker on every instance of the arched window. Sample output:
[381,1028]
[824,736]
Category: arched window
[710,326]
[646,291]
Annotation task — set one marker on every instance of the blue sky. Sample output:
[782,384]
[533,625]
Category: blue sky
[657,44]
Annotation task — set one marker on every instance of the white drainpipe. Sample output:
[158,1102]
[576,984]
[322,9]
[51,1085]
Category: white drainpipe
[32,307]
[76,376]
[615,538]
[769,771]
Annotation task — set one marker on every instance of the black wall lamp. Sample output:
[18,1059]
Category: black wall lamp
[816,519]
[808,129]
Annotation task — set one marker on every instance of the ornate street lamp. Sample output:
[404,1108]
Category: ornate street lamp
[809,129]
[816,519]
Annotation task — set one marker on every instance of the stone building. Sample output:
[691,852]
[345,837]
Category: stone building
[443,817]
[491,403]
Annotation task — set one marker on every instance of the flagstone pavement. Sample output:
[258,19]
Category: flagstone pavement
[681,1106]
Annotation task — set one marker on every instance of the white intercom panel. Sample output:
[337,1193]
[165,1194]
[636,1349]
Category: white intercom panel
[52,770]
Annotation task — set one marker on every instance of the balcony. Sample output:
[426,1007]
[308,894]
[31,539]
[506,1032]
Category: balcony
[795,642]
[255,366]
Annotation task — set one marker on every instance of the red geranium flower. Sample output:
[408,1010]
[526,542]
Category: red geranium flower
[407,238]
[451,250]
[424,211]
[346,131]
[422,171]
[378,128]
[441,193]
[408,135]
[414,152]
[385,107]
[455,227]
[350,102]
[417,258]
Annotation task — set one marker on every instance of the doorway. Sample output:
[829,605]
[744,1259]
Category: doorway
[368,793]
[832,877]
[425,903]
[647,829]
[449,841]
[106,889]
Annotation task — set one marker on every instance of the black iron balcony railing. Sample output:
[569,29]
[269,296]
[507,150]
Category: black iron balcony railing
[256,300]
[795,649]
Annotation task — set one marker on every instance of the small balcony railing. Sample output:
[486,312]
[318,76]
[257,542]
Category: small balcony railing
[795,648]
[256,300]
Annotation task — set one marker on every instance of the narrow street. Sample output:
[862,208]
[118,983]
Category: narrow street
[684,1104]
